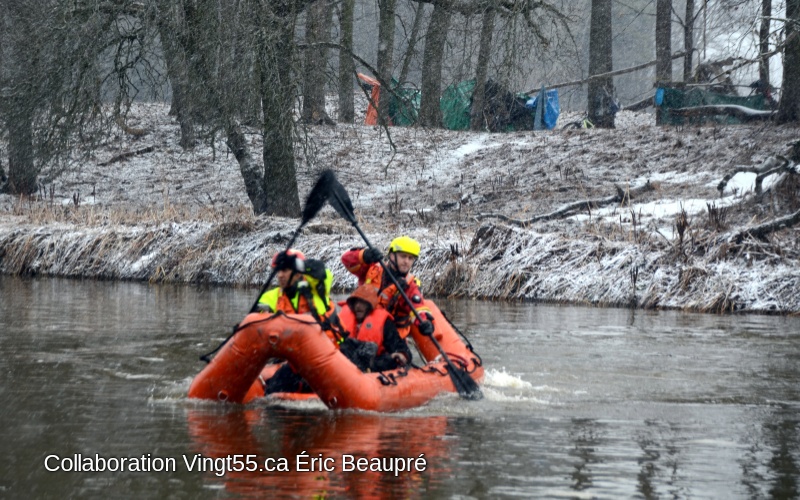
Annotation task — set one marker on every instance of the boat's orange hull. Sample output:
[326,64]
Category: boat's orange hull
[233,374]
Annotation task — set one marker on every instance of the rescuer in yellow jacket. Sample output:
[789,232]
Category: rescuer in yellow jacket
[304,287]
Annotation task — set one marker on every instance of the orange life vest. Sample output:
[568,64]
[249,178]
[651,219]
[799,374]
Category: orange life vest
[388,296]
[370,330]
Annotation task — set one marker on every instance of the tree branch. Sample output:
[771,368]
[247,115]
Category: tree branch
[622,196]
[760,231]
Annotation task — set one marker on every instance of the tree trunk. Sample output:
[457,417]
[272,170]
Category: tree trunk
[789,107]
[411,49]
[663,42]
[385,54]
[430,114]
[477,121]
[688,41]
[601,90]
[177,71]
[22,171]
[199,42]
[763,44]
[253,180]
[280,178]
[318,28]
[347,66]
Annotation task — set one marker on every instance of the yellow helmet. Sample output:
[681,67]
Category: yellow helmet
[404,244]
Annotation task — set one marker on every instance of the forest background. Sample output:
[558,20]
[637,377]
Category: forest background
[256,98]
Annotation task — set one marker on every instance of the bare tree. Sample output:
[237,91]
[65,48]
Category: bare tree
[688,40]
[318,28]
[347,67]
[477,120]
[386,30]
[59,60]
[413,38]
[763,43]
[430,114]
[663,42]
[789,107]
[601,90]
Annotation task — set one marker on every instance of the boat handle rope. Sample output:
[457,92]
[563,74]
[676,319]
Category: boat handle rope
[391,378]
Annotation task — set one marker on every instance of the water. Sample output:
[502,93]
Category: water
[580,403]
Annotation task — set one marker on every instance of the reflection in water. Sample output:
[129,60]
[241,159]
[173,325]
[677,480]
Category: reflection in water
[286,434]
[592,403]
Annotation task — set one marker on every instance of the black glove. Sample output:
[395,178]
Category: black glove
[426,328]
[360,353]
[372,255]
[315,268]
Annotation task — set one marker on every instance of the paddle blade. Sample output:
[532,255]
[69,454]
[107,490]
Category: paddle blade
[466,387]
[319,195]
[340,200]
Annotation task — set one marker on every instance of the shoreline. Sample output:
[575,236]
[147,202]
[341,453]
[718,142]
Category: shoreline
[496,263]
[634,216]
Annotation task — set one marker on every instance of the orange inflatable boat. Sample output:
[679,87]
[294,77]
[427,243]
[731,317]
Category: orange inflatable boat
[235,373]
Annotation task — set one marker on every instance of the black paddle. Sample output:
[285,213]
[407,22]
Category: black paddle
[467,388]
[316,200]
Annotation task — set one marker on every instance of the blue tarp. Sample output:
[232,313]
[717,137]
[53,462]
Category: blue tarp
[551,110]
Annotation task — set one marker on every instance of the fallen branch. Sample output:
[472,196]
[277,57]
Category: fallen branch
[762,230]
[622,196]
[136,132]
[741,112]
[771,165]
[603,75]
[126,155]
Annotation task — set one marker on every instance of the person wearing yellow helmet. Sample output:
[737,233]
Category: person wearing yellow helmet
[402,253]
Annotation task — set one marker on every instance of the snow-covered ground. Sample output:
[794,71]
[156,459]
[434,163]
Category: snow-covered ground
[174,215]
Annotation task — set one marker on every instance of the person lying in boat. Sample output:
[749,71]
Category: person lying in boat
[304,287]
[403,252]
[368,324]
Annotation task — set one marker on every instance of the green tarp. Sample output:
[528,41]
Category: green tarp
[455,103]
[670,98]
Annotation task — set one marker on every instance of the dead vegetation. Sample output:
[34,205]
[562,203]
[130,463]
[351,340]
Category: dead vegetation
[568,227]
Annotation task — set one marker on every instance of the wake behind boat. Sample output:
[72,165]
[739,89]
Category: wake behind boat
[235,373]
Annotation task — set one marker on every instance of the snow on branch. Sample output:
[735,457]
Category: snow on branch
[762,230]
[741,112]
[622,196]
[771,165]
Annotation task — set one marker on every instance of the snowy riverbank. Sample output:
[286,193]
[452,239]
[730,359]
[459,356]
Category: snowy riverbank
[474,200]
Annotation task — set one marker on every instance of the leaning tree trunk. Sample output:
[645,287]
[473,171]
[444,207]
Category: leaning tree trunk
[430,113]
[601,90]
[385,54]
[347,66]
[411,49]
[280,178]
[477,121]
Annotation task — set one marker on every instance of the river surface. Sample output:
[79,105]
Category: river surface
[579,403]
